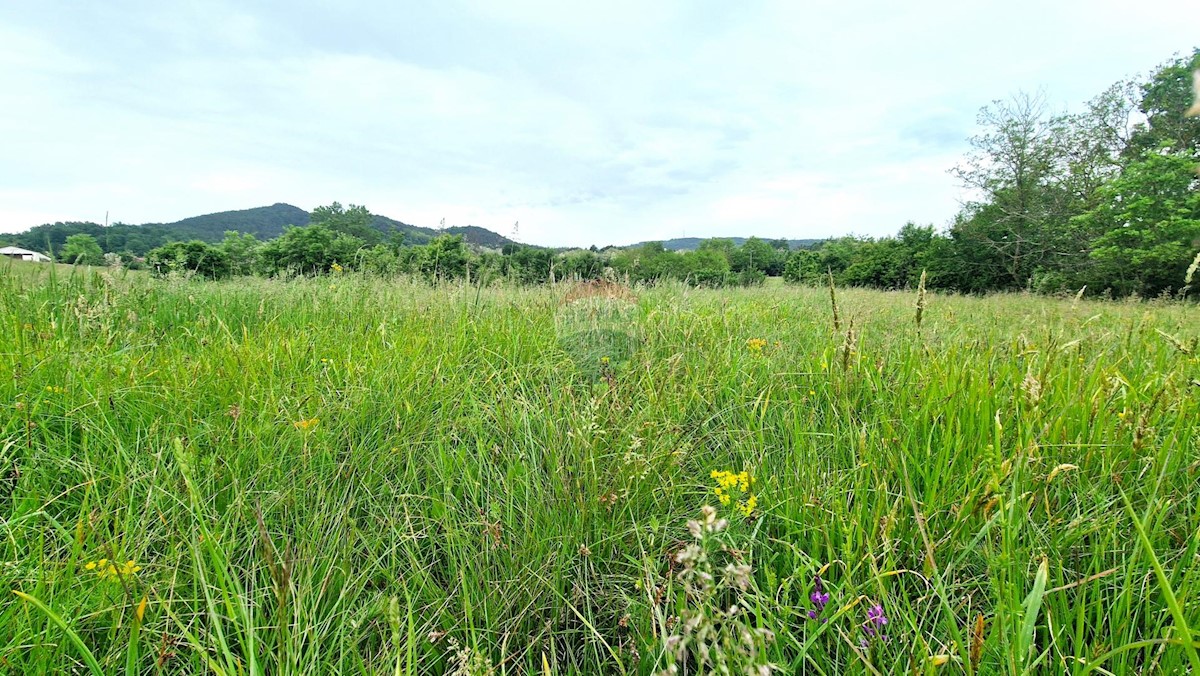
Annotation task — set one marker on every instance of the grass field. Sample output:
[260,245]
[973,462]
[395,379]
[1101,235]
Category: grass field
[347,475]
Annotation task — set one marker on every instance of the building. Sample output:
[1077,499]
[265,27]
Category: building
[20,254]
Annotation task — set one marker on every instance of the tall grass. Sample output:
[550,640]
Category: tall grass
[462,495]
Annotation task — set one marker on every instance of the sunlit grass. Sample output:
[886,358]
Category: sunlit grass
[368,476]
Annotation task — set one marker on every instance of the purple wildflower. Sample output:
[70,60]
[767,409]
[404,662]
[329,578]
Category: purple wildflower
[819,599]
[876,620]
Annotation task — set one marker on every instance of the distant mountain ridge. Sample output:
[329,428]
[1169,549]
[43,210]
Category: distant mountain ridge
[269,222]
[262,222]
[693,243]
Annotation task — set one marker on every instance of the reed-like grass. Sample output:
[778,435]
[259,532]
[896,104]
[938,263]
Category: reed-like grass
[349,475]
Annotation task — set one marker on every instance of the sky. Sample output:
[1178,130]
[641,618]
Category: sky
[562,123]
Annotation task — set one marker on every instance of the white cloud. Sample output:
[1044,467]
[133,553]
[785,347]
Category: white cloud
[601,123]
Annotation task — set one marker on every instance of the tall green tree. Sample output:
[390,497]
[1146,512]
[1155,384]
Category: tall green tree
[82,249]
[354,220]
[1015,169]
[312,249]
[1150,220]
[446,258]
[242,252]
[1165,99]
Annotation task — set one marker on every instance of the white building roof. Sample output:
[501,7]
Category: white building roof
[24,253]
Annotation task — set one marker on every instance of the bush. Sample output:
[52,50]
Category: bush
[195,257]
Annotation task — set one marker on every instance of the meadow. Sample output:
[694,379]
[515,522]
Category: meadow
[369,476]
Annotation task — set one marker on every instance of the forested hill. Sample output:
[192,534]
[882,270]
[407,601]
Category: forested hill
[693,243]
[262,222]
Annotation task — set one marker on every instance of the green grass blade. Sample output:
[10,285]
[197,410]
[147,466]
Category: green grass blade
[84,652]
[1164,585]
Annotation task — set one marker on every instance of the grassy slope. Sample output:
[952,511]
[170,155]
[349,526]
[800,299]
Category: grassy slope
[465,476]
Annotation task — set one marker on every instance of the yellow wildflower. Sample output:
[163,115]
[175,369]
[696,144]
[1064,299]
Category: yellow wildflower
[747,508]
[306,425]
[106,569]
[740,482]
[756,344]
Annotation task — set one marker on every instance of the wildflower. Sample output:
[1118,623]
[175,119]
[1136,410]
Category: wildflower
[738,575]
[747,508]
[819,598]
[692,552]
[756,344]
[711,523]
[722,495]
[336,269]
[306,425]
[106,569]
[53,389]
[875,623]
[728,482]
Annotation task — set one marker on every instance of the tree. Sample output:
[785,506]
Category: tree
[82,249]
[354,221]
[757,254]
[1015,167]
[581,265]
[1164,102]
[242,252]
[446,258]
[195,256]
[803,267]
[705,267]
[1150,220]
[312,249]
[528,264]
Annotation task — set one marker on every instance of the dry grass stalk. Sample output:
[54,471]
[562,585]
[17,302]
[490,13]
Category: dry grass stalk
[850,347]
[837,321]
[920,300]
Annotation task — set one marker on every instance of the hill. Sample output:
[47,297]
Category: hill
[480,236]
[262,222]
[693,243]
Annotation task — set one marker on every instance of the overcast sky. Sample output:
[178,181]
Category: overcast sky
[602,122]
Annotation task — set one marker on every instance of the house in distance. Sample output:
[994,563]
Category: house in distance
[20,254]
